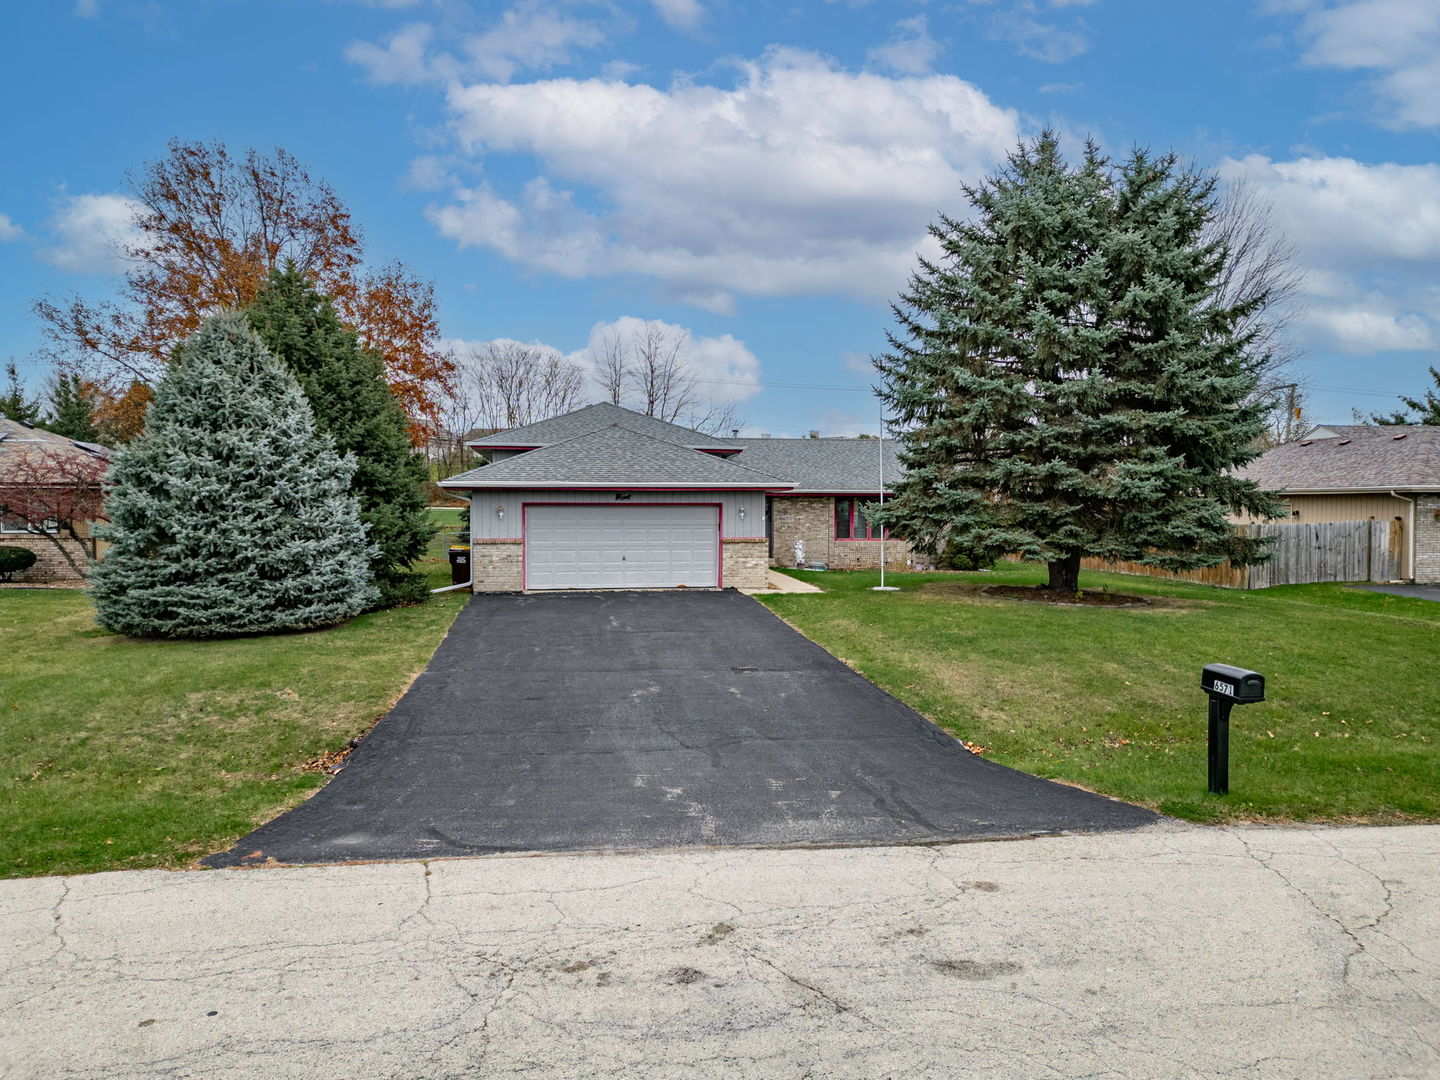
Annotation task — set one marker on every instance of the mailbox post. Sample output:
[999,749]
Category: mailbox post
[1227,686]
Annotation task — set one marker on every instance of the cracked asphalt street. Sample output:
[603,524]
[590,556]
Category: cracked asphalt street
[1172,951]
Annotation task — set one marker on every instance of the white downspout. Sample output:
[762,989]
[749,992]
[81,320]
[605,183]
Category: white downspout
[1409,535]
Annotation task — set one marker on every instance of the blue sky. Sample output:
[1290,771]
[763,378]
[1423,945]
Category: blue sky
[760,175]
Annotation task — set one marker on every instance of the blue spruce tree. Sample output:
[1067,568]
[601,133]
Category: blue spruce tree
[230,514]
[1066,378]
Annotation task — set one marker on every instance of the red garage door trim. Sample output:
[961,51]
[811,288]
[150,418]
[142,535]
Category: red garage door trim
[719,529]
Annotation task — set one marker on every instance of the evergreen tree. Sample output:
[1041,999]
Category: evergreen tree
[14,405]
[1065,379]
[230,514]
[1423,410]
[347,389]
[72,409]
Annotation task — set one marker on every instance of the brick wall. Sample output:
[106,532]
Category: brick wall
[744,563]
[51,565]
[813,520]
[1427,539]
[495,565]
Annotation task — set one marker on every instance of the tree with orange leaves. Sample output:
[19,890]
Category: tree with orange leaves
[211,226]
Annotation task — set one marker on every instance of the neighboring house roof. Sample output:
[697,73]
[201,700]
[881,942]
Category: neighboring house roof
[592,418]
[823,466]
[1352,457]
[19,440]
[615,457]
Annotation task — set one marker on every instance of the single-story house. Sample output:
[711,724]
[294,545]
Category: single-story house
[1354,472]
[605,497]
[50,498]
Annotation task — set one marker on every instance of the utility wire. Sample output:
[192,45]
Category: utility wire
[869,390]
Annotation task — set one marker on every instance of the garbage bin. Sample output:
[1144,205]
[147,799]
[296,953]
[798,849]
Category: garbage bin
[459,565]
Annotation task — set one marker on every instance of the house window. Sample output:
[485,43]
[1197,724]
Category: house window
[850,523]
[14,526]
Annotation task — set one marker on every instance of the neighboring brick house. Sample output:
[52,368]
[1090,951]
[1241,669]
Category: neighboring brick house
[604,497]
[1351,472]
[50,498]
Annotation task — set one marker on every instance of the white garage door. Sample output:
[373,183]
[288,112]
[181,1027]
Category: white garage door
[621,547]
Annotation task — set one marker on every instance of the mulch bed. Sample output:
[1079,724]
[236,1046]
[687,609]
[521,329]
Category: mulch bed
[1043,594]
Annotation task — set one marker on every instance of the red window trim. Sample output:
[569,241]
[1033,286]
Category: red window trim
[854,504]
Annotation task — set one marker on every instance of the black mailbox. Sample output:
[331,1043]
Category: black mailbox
[1227,686]
[1233,683]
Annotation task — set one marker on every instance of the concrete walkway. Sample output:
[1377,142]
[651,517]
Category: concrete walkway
[775,582]
[1171,952]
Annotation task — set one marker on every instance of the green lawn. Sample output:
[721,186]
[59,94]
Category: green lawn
[1110,699]
[121,753]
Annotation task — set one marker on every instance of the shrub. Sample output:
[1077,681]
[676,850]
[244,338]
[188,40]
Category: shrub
[958,557]
[14,560]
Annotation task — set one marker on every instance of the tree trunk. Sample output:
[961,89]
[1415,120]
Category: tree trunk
[1065,573]
[59,541]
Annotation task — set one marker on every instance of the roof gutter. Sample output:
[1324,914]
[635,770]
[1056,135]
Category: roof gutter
[1409,534]
[1355,490]
[551,485]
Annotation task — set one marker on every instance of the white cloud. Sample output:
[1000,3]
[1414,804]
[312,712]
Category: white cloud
[532,35]
[9,230]
[90,233]
[800,179]
[1368,237]
[87,9]
[1371,329]
[429,173]
[681,14]
[1399,40]
[911,51]
[1340,210]
[1030,26]
[402,59]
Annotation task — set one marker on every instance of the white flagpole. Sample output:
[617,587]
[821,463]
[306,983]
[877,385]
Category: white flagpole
[882,587]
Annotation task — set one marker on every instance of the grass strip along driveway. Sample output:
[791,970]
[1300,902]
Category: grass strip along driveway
[120,753]
[1109,698]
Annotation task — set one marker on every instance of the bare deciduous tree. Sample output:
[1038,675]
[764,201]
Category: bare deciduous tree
[1261,273]
[517,384]
[504,384]
[609,361]
[648,367]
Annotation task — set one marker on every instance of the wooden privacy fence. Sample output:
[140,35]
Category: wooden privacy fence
[1304,552]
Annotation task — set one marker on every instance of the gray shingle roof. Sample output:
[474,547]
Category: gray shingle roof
[1358,458]
[615,456]
[17,440]
[592,418]
[828,466]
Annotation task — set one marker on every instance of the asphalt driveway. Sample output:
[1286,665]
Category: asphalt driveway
[602,721]
[1420,592]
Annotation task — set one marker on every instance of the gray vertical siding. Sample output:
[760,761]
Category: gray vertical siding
[486,524]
